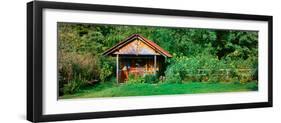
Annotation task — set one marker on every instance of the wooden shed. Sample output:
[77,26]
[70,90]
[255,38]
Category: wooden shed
[138,56]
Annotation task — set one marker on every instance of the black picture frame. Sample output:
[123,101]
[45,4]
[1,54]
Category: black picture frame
[35,69]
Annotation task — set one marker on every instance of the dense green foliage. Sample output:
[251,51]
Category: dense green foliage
[199,55]
[142,79]
[210,69]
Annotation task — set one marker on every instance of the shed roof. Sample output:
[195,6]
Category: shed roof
[133,37]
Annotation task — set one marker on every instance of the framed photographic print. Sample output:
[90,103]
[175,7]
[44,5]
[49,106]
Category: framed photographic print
[95,61]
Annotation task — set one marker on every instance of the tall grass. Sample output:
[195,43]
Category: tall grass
[75,70]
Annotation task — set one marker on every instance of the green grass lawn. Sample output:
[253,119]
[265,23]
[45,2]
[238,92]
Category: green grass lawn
[144,89]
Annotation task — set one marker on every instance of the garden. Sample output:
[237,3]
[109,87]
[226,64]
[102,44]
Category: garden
[204,61]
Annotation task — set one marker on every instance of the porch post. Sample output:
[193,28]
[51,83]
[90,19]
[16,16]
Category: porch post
[117,68]
[154,64]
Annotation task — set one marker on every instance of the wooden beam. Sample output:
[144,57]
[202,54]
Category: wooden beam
[155,64]
[117,68]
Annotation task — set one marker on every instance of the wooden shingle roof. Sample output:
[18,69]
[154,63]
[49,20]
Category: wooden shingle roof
[133,37]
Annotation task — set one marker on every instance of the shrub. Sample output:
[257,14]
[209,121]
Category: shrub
[135,79]
[142,79]
[106,70]
[175,78]
[73,86]
[150,79]
[207,68]
[75,70]
[255,72]
[183,69]
[245,77]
